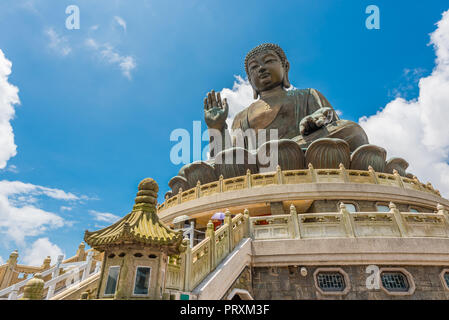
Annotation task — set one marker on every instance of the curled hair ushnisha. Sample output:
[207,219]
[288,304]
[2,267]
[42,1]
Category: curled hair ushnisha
[264,47]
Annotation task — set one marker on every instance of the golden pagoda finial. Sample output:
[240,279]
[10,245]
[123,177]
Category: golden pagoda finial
[147,194]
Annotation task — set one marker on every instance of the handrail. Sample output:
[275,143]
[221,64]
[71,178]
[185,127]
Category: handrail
[72,270]
[351,224]
[310,175]
[199,261]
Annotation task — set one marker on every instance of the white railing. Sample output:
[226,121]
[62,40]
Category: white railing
[191,267]
[71,277]
[345,224]
[310,175]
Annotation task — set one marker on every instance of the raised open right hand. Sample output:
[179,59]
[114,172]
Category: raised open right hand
[215,110]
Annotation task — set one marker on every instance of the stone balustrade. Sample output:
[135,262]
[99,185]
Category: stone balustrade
[13,285]
[310,175]
[186,271]
[344,224]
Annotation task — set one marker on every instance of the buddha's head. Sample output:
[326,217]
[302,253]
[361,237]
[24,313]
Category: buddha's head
[267,67]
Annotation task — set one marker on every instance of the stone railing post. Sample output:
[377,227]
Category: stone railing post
[279,175]
[372,173]
[210,233]
[228,221]
[46,263]
[248,178]
[81,252]
[294,221]
[418,183]
[343,173]
[444,212]
[9,272]
[398,219]
[220,184]
[180,196]
[198,189]
[51,289]
[97,267]
[246,233]
[187,268]
[347,221]
[86,271]
[398,178]
[312,172]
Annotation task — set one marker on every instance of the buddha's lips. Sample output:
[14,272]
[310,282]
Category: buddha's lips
[264,75]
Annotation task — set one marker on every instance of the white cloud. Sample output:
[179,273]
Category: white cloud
[121,22]
[109,54]
[11,168]
[39,250]
[20,215]
[8,98]
[239,97]
[417,130]
[1,261]
[9,188]
[104,216]
[58,43]
[65,208]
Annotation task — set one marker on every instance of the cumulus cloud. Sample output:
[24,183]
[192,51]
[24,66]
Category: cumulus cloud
[57,42]
[239,97]
[20,215]
[104,216]
[39,250]
[121,22]
[9,188]
[417,130]
[1,261]
[8,98]
[110,55]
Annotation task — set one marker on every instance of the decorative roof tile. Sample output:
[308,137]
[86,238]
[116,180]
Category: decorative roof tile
[142,225]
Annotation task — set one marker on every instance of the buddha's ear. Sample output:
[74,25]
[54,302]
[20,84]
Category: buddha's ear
[255,94]
[285,82]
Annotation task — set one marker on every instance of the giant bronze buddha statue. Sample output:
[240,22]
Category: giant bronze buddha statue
[308,130]
[303,115]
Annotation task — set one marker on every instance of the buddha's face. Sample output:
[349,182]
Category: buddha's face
[265,70]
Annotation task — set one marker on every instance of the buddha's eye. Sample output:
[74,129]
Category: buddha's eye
[269,60]
[253,66]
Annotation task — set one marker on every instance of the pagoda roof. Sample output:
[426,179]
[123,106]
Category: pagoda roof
[141,225]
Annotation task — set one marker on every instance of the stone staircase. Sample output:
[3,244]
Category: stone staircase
[216,284]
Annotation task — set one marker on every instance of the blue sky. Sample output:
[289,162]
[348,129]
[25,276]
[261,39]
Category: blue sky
[98,104]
